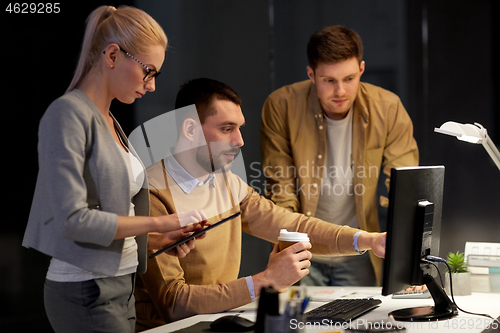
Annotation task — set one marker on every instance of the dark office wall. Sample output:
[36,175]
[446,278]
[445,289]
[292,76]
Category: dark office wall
[453,75]
[257,46]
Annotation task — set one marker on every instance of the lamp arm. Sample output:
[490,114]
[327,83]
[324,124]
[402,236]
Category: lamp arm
[489,145]
[492,150]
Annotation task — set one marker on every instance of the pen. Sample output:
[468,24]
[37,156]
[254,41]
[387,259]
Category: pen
[304,304]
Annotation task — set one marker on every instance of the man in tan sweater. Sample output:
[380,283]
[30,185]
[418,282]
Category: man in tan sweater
[207,281]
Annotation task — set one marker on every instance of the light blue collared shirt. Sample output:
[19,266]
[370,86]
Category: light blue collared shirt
[185,181]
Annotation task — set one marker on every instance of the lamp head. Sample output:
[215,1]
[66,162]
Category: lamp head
[464,132]
[473,134]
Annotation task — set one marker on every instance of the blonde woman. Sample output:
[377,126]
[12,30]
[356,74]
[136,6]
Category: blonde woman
[90,210]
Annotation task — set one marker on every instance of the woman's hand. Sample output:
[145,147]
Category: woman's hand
[193,221]
[173,222]
[159,240]
[164,230]
[129,226]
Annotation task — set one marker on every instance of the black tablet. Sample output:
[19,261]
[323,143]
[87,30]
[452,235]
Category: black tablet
[193,235]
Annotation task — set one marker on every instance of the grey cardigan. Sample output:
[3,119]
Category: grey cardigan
[82,188]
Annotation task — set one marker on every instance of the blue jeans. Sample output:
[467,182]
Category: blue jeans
[355,271]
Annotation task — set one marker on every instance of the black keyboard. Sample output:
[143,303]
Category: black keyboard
[341,310]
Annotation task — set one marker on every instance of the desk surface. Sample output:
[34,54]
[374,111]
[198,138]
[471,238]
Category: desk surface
[488,303]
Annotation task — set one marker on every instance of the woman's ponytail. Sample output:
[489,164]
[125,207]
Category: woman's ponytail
[85,60]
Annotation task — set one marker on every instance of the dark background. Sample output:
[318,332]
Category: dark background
[438,56]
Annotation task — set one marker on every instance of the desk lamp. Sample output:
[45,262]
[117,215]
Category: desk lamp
[471,133]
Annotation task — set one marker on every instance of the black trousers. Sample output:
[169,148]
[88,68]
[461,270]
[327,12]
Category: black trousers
[100,305]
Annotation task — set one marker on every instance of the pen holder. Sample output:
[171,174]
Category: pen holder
[269,319]
[275,324]
[268,307]
[284,324]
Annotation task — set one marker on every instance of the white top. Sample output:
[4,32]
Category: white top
[61,271]
[336,201]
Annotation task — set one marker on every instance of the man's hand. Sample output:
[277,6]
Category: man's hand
[284,268]
[373,241]
[422,287]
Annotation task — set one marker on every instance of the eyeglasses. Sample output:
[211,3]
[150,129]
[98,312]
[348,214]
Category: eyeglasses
[152,73]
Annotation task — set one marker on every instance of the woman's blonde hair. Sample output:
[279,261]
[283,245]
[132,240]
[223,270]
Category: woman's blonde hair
[129,27]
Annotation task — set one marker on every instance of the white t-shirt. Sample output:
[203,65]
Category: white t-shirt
[336,201]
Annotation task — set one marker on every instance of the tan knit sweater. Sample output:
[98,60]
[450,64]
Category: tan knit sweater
[206,280]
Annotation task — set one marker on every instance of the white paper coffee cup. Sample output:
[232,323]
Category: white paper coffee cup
[287,239]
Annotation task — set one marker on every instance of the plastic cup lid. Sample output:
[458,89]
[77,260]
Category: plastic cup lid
[292,236]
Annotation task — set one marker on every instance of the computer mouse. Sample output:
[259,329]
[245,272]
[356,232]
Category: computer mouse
[232,324]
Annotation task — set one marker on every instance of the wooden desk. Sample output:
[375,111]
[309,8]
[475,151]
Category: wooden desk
[488,303]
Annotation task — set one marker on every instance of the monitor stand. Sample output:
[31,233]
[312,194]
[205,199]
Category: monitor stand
[443,307]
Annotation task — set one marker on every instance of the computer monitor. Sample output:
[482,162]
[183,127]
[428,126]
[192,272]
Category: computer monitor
[413,232]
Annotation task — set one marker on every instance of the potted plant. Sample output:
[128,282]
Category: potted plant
[461,277]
